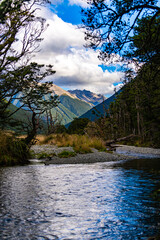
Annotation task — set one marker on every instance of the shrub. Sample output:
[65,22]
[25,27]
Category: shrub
[82,149]
[66,154]
[44,155]
[98,144]
[12,150]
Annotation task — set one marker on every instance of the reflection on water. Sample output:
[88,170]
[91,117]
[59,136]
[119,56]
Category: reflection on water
[90,201]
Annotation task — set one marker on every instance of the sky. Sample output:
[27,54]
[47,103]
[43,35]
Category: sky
[63,46]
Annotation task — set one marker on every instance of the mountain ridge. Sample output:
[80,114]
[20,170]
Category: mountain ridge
[88,96]
[101,109]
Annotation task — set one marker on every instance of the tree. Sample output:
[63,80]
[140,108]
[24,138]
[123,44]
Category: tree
[78,126]
[19,79]
[36,97]
[109,26]
[18,25]
[54,125]
[131,29]
[145,45]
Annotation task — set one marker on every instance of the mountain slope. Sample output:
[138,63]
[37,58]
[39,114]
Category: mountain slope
[62,114]
[100,110]
[68,109]
[87,96]
[20,115]
[76,106]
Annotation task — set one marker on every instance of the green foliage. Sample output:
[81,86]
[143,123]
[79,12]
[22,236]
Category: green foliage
[101,128]
[61,129]
[110,24]
[43,155]
[13,151]
[78,125]
[146,40]
[66,154]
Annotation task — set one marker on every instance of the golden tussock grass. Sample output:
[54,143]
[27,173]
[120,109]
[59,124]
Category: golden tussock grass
[80,143]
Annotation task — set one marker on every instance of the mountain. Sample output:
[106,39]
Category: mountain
[87,96]
[20,116]
[59,91]
[100,110]
[70,106]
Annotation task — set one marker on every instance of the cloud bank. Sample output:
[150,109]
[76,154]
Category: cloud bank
[76,67]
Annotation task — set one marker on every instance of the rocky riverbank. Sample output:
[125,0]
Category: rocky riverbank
[122,153]
[138,151]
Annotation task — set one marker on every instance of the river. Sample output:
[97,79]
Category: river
[84,201]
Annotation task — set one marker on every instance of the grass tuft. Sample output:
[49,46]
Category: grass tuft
[66,154]
[43,155]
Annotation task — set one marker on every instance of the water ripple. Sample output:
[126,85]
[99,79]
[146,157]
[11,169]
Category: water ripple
[77,202]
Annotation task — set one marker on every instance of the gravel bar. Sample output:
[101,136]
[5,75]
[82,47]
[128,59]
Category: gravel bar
[122,153]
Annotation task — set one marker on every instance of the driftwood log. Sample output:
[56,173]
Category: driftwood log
[109,143]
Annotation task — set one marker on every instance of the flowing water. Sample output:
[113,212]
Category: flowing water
[83,201]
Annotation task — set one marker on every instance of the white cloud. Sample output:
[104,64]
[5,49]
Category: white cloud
[81,3]
[60,35]
[56,2]
[79,69]
[76,67]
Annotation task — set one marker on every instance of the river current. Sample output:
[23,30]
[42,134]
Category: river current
[83,201]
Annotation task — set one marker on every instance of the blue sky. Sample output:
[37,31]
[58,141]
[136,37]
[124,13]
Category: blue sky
[67,12]
[63,46]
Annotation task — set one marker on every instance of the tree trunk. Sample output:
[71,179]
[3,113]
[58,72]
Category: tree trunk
[32,134]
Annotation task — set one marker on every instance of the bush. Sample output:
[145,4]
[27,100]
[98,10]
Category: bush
[13,151]
[82,149]
[66,154]
[44,155]
[98,144]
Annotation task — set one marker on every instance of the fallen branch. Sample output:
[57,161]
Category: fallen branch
[109,142]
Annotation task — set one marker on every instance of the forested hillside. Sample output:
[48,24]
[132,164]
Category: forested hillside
[136,109]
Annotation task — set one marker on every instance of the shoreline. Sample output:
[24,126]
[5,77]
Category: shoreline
[123,152]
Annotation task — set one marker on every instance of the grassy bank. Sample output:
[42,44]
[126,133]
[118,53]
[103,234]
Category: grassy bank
[80,143]
[13,151]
